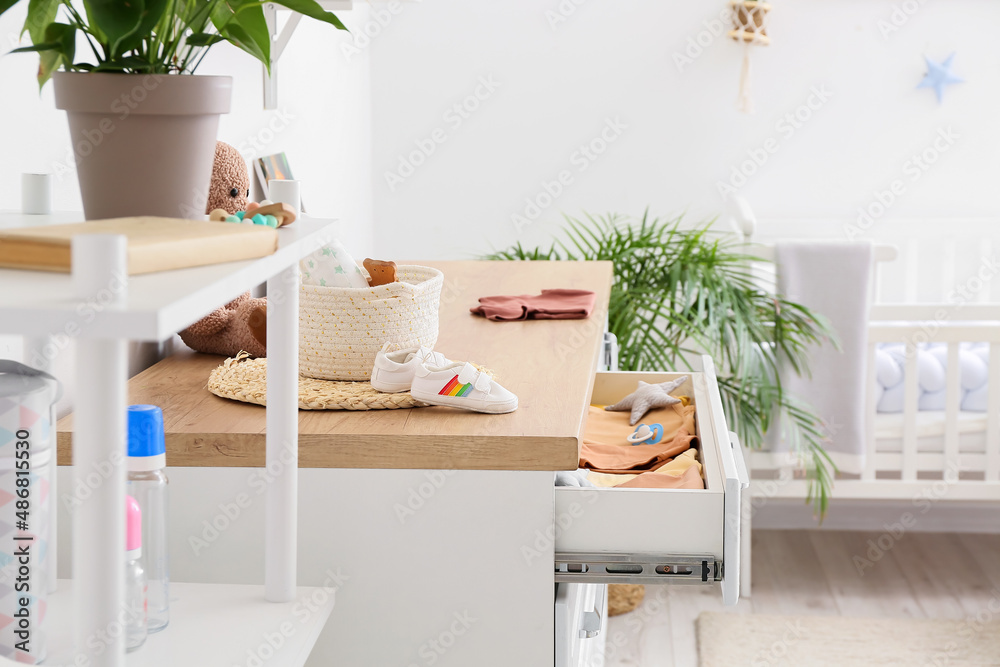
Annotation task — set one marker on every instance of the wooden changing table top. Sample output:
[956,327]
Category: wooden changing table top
[550,365]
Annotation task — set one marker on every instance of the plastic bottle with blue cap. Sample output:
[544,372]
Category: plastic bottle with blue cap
[148,484]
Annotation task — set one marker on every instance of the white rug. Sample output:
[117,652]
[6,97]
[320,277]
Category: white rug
[757,640]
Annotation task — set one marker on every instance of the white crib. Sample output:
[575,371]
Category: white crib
[942,287]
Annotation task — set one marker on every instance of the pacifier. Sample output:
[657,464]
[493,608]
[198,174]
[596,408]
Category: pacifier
[646,435]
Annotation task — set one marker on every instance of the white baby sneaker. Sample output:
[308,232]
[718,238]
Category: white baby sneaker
[461,385]
[393,371]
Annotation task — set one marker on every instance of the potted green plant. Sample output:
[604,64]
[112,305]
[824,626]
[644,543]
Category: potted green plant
[679,293]
[144,130]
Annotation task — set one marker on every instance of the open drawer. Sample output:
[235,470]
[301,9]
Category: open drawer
[659,536]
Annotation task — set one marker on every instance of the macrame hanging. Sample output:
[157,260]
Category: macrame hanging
[748,27]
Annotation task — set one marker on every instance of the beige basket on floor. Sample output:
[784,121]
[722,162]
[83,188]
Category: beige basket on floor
[341,329]
[623,598]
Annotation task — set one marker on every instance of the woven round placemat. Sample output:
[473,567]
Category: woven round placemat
[244,379]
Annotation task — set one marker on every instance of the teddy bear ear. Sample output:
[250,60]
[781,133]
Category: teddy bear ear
[257,323]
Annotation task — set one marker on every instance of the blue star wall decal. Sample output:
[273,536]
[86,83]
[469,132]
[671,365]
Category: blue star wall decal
[938,76]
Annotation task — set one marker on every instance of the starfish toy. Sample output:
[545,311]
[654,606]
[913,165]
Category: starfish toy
[647,397]
[938,76]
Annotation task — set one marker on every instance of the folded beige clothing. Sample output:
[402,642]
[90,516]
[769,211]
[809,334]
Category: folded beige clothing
[672,475]
[688,478]
[609,480]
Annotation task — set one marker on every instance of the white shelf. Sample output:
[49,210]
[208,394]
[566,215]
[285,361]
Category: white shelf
[212,625]
[35,303]
[10,219]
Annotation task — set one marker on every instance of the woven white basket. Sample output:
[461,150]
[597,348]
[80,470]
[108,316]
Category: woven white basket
[341,329]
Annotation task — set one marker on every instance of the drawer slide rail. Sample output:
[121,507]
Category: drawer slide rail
[636,569]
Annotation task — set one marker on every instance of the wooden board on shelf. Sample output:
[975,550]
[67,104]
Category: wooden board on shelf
[40,303]
[549,364]
[154,244]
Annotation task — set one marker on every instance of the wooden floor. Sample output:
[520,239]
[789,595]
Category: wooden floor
[817,572]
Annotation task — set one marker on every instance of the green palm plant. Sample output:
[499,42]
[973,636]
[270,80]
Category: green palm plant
[679,293]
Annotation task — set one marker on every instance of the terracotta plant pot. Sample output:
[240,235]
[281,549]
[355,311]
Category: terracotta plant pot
[144,144]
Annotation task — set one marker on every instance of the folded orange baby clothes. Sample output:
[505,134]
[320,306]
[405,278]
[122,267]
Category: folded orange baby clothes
[551,304]
[605,448]
[612,428]
[613,458]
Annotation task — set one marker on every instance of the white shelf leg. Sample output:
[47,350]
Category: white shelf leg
[100,274]
[38,353]
[281,510]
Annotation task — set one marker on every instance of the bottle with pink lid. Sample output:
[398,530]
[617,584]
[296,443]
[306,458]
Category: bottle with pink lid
[135,578]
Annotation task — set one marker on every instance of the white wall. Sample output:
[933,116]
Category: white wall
[322,121]
[683,135]
[357,111]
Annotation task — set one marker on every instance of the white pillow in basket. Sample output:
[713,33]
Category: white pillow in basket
[332,266]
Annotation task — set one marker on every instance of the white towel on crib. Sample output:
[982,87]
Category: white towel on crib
[832,279]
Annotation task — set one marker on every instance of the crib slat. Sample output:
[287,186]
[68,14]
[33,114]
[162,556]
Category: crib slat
[911,269]
[993,416]
[949,263]
[952,405]
[910,396]
[871,405]
[985,254]
[876,274]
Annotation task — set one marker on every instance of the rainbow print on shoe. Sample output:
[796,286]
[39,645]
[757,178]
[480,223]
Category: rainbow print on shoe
[456,388]
[460,385]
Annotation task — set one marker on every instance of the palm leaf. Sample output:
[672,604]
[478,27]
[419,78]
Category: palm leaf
[681,292]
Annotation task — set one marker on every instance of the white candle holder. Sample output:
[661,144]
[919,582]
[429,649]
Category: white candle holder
[36,194]
[286,192]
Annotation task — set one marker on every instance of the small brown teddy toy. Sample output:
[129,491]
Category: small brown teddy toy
[381,272]
[230,186]
[240,325]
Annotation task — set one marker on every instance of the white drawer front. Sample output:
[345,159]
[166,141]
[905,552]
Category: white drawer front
[658,535]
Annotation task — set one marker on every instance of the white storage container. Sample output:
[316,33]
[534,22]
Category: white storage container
[27,400]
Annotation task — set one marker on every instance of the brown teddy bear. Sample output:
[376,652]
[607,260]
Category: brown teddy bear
[230,186]
[240,325]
